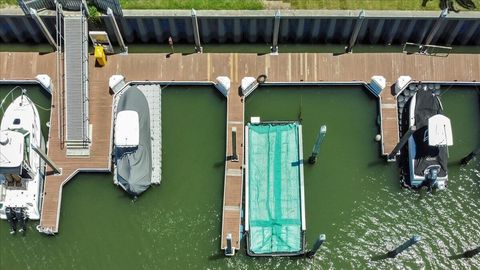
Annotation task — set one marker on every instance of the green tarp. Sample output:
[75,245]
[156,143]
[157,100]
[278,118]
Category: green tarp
[274,203]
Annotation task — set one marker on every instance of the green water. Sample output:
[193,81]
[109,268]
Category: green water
[352,195]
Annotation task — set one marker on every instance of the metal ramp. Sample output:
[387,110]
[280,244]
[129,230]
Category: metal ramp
[153,93]
[76,85]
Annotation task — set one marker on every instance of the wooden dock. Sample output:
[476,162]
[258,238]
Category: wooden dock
[286,67]
[233,182]
[389,121]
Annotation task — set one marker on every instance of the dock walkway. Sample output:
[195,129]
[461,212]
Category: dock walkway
[153,94]
[233,185]
[389,121]
[76,85]
[286,67]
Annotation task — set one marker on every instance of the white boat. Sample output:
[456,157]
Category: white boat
[428,146]
[22,172]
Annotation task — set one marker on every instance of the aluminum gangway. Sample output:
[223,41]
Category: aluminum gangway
[77,135]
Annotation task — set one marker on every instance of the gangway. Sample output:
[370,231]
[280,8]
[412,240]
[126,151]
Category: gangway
[76,85]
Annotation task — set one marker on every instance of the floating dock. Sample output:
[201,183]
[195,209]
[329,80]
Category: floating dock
[233,182]
[389,122]
[153,94]
[285,67]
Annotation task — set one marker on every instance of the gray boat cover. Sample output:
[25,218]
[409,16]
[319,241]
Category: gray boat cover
[427,105]
[134,165]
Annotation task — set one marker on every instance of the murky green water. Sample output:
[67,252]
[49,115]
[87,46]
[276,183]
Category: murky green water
[352,195]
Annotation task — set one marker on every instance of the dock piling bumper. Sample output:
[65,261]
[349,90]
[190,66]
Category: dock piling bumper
[412,241]
[248,84]
[223,85]
[116,83]
[377,85]
[321,238]
[45,81]
[402,83]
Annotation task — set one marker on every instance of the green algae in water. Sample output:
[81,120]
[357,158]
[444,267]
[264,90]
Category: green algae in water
[352,195]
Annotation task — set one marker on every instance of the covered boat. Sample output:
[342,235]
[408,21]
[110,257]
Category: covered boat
[22,171]
[132,142]
[428,146]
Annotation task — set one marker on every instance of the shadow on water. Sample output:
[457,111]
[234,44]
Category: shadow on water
[380,257]
[466,255]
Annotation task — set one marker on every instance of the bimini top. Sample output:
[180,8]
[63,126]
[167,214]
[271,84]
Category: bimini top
[275,218]
[11,149]
[126,129]
[439,131]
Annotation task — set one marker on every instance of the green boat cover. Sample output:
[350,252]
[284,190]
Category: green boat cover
[274,189]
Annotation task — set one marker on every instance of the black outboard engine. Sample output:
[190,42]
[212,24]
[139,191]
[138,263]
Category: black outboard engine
[432,178]
[10,213]
[21,218]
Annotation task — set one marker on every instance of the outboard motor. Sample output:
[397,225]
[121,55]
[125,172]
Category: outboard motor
[20,216]
[11,219]
[432,179]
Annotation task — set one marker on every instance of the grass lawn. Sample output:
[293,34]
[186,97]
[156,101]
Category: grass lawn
[257,4]
[5,3]
[369,4]
[188,4]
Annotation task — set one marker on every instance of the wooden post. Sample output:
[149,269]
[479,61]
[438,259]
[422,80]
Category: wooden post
[316,147]
[412,241]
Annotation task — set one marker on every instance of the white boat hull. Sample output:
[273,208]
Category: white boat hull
[22,114]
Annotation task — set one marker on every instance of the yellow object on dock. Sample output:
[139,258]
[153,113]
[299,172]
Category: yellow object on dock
[100,55]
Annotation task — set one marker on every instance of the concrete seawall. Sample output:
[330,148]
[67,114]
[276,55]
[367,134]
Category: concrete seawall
[256,26]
